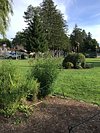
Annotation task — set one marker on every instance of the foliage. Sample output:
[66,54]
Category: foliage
[77,59]
[5,41]
[24,109]
[19,39]
[35,35]
[32,88]
[76,38]
[82,84]
[13,87]
[91,54]
[45,71]
[54,25]
[46,29]
[82,42]
[88,65]
[69,65]
[5,9]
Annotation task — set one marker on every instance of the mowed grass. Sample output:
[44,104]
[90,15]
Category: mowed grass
[80,84]
[23,66]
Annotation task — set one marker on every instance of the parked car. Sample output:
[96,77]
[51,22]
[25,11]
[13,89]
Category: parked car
[12,55]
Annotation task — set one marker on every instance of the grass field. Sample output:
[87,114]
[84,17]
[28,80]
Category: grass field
[80,84]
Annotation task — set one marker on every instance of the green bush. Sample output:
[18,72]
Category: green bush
[69,65]
[77,59]
[88,65]
[45,71]
[10,82]
[13,87]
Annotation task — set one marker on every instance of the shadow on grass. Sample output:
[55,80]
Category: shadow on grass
[94,64]
[57,116]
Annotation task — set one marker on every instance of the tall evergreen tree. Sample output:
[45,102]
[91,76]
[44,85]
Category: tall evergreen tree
[35,35]
[82,41]
[54,25]
[77,39]
[90,43]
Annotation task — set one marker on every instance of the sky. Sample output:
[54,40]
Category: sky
[84,13]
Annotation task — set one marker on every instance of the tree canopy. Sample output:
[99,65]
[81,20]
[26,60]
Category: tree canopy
[5,9]
[47,29]
[82,42]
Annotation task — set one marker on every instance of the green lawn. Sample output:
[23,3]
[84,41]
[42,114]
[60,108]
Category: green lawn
[80,84]
[22,65]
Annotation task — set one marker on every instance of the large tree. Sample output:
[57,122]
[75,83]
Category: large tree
[19,39]
[34,33]
[82,42]
[76,38]
[46,28]
[90,43]
[5,9]
[54,25]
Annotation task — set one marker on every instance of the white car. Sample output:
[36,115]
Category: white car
[12,55]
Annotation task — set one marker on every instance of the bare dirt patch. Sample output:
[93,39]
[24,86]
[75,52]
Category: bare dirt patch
[56,115]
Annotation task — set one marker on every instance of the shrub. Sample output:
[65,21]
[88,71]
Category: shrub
[77,59]
[13,87]
[69,65]
[45,71]
[10,83]
[88,65]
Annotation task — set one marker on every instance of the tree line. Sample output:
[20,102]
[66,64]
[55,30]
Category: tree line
[47,30]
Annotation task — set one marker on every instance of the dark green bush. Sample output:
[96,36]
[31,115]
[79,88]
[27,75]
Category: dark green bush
[77,59]
[88,65]
[91,54]
[45,71]
[69,65]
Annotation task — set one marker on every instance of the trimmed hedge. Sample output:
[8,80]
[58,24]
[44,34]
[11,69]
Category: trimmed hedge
[69,65]
[77,59]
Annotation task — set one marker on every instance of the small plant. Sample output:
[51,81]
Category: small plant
[32,88]
[24,109]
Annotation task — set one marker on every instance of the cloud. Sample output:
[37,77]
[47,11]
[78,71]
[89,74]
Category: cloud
[96,15]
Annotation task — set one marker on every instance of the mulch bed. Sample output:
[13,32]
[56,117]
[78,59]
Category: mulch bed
[56,115]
